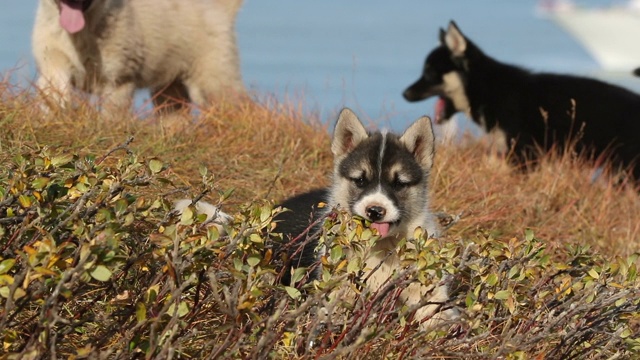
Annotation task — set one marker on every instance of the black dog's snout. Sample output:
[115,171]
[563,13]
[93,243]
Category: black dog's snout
[375,212]
[411,94]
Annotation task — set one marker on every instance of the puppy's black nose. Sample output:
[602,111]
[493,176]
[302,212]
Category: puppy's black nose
[408,95]
[375,212]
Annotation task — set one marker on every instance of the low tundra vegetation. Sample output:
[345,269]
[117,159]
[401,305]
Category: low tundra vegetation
[95,264]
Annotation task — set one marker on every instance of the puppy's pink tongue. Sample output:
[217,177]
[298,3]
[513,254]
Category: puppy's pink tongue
[383,228]
[71,17]
[439,110]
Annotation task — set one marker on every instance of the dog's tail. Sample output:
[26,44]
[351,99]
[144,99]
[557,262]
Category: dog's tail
[214,214]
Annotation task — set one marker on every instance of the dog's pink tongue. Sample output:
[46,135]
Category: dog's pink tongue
[71,17]
[383,228]
[440,104]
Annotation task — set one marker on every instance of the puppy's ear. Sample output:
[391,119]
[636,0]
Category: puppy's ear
[349,132]
[419,140]
[455,40]
[441,36]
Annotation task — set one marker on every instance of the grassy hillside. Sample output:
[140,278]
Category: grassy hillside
[94,265]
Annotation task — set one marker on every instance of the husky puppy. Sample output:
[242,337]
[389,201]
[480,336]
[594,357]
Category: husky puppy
[181,50]
[546,111]
[383,178]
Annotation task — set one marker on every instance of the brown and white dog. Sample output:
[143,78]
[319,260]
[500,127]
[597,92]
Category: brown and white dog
[183,51]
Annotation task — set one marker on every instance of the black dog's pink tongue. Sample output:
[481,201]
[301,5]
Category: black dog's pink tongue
[383,228]
[71,16]
[440,105]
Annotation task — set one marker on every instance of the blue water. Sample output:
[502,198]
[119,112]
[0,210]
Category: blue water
[357,53]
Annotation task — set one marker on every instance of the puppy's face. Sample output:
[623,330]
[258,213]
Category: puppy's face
[437,67]
[382,177]
[444,75]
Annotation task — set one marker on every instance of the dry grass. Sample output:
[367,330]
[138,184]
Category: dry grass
[169,287]
[560,201]
[262,150]
[272,150]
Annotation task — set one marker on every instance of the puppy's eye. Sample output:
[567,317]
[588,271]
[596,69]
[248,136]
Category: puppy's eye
[400,184]
[360,181]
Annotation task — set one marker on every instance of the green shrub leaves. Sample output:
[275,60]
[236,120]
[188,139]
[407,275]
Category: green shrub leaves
[94,264]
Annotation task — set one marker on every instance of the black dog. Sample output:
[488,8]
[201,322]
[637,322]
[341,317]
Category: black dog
[546,111]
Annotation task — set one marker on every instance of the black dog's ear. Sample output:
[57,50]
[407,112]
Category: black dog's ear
[441,36]
[455,40]
[453,23]
[636,72]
